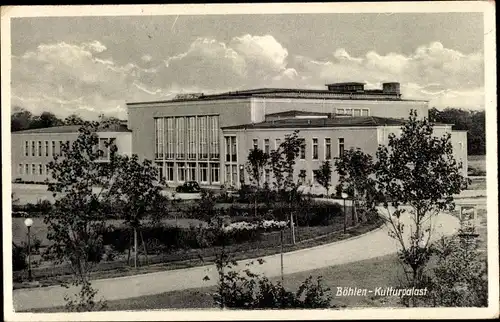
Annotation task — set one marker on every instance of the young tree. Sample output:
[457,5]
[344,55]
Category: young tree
[355,169]
[138,191]
[418,175]
[256,162]
[76,222]
[324,175]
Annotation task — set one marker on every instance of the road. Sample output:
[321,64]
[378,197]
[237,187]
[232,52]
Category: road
[370,245]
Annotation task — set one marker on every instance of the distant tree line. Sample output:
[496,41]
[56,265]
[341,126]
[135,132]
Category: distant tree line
[472,121]
[22,119]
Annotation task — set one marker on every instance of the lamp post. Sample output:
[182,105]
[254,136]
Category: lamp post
[345,196]
[29,222]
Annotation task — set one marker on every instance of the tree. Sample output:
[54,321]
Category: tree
[138,191]
[76,222]
[46,119]
[73,119]
[418,175]
[355,169]
[21,119]
[324,175]
[256,162]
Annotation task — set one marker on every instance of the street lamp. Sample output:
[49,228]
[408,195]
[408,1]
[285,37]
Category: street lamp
[29,222]
[345,196]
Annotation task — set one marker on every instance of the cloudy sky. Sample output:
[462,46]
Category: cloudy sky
[93,65]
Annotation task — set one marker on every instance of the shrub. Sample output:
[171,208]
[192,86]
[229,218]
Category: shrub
[18,258]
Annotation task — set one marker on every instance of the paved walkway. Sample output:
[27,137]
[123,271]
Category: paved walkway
[370,245]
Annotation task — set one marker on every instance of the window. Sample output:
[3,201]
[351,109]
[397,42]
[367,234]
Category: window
[180,137]
[303,149]
[341,147]
[266,146]
[53,148]
[39,148]
[159,168]
[181,171]
[277,144]
[191,171]
[234,174]
[267,175]
[191,132]
[159,136]
[315,149]
[60,147]
[231,152]
[203,172]
[227,172]
[104,148]
[255,143]
[328,148]
[26,148]
[170,172]
[348,111]
[203,139]
[365,112]
[47,170]
[302,176]
[33,169]
[27,168]
[214,172]
[340,111]
[356,112]
[33,148]
[46,148]
[214,137]
[40,169]
[234,153]
[20,169]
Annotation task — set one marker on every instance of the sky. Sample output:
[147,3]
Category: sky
[94,65]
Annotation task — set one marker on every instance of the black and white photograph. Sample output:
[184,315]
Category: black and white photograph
[250,161]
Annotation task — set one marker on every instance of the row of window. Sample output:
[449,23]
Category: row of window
[187,137]
[302,153]
[42,148]
[37,169]
[353,111]
[203,172]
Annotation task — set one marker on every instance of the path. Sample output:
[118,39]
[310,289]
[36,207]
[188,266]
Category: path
[370,245]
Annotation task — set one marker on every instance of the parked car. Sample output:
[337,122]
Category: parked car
[189,187]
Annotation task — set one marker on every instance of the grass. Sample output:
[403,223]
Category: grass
[476,164]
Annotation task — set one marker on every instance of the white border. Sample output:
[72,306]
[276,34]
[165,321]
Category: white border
[488,8]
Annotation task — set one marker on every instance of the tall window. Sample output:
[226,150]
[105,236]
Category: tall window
[227,172]
[302,176]
[266,146]
[215,172]
[47,169]
[228,148]
[181,171]
[39,148]
[255,143]
[315,149]
[231,153]
[203,139]
[277,144]
[60,147]
[40,169]
[234,172]
[356,112]
[54,148]
[203,172]
[27,169]
[214,137]
[170,172]
[191,131]
[46,148]
[365,112]
[170,138]
[191,171]
[20,169]
[33,148]
[180,137]
[26,148]
[328,148]
[341,147]
[159,137]
[33,169]
[234,153]
[302,149]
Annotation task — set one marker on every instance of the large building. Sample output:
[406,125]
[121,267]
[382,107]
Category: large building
[207,137]
[33,149]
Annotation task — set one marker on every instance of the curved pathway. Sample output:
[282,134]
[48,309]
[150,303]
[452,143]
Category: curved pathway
[370,245]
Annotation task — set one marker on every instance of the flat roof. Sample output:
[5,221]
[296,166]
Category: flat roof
[299,113]
[287,93]
[74,129]
[345,83]
[361,121]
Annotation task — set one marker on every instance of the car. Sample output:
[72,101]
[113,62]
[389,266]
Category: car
[189,187]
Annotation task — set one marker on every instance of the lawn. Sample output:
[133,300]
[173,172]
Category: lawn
[476,163]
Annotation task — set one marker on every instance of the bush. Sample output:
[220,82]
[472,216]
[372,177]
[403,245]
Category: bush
[18,258]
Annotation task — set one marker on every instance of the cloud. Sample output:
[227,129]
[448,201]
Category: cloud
[86,78]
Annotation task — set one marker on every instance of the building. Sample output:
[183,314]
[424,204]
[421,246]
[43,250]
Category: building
[207,137]
[33,149]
